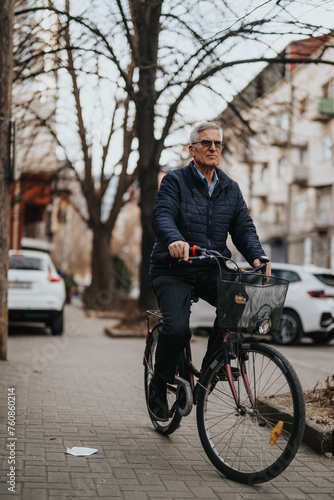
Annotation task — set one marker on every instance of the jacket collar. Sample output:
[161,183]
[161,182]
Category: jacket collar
[224,179]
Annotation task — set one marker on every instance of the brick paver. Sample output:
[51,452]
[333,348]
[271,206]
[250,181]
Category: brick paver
[86,389]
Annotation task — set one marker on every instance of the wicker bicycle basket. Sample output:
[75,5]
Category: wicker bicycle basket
[246,305]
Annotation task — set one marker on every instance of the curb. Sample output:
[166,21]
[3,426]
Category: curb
[318,438]
[315,436]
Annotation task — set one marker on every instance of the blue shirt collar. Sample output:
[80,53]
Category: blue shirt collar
[214,182]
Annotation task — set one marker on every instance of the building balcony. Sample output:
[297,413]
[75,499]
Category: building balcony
[260,189]
[299,174]
[280,138]
[325,110]
[279,193]
[273,230]
[326,106]
[323,221]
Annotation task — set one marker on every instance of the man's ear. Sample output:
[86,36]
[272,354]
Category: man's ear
[191,149]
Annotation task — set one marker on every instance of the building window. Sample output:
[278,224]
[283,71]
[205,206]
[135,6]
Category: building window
[303,105]
[324,203]
[301,206]
[282,167]
[328,90]
[303,158]
[265,173]
[259,87]
[284,121]
[326,148]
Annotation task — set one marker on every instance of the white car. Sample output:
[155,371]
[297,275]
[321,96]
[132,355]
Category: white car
[308,309]
[309,304]
[36,292]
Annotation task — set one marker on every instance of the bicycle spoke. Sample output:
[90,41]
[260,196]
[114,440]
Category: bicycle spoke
[237,437]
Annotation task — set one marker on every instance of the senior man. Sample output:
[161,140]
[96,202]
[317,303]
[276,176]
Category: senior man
[196,205]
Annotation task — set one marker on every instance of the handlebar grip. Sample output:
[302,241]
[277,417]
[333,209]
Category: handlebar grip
[196,251]
[262,267]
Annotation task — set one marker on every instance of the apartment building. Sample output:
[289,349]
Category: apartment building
[36,165]
[279,135]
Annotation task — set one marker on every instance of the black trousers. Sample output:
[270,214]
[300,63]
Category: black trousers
[173,293]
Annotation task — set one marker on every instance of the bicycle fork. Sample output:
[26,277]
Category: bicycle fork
[228,354]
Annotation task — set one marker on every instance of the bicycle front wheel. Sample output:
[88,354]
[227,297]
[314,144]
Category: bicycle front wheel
[173,423]
[254,441]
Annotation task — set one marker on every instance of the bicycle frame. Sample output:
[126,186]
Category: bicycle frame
[192,371]
[189,371]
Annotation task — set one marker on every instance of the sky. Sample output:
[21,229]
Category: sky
[202,103]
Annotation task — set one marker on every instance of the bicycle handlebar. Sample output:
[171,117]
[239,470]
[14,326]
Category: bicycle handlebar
[197,252]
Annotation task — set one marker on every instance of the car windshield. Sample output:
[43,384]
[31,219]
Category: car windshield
[327,279]
[285,274]
[26,263]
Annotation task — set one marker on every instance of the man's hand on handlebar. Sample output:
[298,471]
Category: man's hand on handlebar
[179,249]
[257,262]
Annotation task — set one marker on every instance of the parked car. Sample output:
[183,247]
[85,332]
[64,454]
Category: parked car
[309,304]
[36,292]
[308,309]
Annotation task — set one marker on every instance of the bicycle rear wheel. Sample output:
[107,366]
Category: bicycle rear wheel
[237,440]
[173,423]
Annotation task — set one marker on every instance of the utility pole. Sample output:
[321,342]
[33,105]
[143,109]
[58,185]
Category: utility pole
[6,78]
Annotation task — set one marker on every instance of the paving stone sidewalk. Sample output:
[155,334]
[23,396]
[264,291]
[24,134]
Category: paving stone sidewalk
[86,389]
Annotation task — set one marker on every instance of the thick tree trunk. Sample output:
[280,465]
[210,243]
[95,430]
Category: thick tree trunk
[6,77]
[101,295]
[148,183]
[146,19]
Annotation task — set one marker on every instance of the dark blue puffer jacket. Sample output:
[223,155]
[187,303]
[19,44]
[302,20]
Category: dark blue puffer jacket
[184,211]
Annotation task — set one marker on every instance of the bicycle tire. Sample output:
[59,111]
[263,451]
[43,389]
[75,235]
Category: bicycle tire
[238,444]
[173,423]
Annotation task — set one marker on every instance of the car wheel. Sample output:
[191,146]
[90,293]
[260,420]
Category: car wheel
[290,330]
[322,338]
[57,324]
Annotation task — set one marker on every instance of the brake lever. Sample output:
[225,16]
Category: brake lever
[199,257]
[262,267]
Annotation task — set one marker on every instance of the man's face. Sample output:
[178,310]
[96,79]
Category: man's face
[206,156]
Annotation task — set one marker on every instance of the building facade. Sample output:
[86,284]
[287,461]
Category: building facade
[279,135]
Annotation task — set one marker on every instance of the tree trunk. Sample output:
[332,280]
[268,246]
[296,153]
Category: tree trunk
[146,21]
[6,78]
[101,295]
[148,184]
[148,180]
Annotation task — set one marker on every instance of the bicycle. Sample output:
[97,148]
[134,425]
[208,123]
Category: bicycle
[241,397]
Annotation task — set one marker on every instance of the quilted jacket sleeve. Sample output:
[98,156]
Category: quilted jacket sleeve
[243,232]
[166,212]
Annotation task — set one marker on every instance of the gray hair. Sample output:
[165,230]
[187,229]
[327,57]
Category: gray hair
[194,134]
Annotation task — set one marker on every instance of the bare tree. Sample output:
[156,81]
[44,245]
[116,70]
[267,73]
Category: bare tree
[164,56]
[6,75]
[176,53]
[88,149]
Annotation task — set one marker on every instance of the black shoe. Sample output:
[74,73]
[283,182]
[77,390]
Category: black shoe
[157,400]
